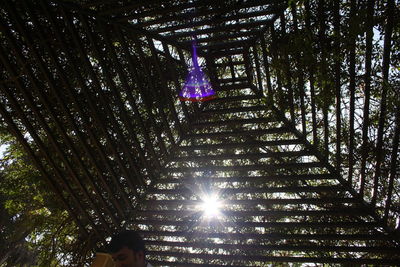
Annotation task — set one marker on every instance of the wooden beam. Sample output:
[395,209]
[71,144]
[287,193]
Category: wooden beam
[198,13]
[252,247]
[262,201]
[268,236]
[241,145]
[218,20]
[222,28]
[253,179]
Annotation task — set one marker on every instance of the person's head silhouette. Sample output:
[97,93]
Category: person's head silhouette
[127,249]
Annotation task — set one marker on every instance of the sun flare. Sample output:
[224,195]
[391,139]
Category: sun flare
[210,206]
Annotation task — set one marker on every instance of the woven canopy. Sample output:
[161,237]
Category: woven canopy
[300,148]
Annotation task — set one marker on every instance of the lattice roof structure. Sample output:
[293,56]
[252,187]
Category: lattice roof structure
[301,146]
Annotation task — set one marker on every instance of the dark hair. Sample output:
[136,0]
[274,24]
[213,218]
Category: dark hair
[126,238]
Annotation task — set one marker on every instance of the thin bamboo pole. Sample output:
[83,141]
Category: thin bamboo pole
[367,94]
[288,72]
[279,95]
[258,70]
[248,67]
[352,87]
[393,166]
[270,96]
[323,70]
[299,74]
[390,9]
[311,78]
[337,67]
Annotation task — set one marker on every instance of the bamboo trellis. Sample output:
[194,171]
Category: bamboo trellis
[302,142]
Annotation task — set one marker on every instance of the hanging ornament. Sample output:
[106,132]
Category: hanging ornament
[197,87]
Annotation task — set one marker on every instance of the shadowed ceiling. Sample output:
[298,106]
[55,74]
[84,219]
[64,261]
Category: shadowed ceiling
[300,148]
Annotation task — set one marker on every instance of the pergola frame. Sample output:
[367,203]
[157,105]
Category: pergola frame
[90,91]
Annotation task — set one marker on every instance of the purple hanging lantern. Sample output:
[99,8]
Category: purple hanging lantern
[197,87]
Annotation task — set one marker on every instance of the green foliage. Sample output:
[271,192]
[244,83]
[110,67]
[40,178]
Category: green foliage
[35,229]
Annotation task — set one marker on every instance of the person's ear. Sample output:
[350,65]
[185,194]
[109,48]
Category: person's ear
[140,255]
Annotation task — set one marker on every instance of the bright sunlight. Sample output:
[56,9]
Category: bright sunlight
[210,206]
